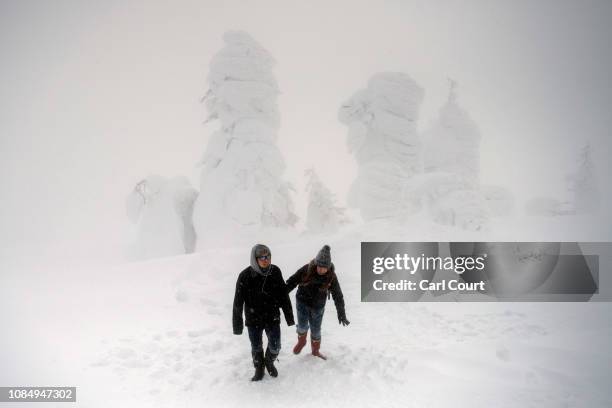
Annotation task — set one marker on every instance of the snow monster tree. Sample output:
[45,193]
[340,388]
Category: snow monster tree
[453,142]
[452,150]
[162,211]
[241,180]
[322,214]
[583,184]
[383,137]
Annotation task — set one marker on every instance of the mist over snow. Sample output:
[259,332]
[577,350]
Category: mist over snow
[97,97]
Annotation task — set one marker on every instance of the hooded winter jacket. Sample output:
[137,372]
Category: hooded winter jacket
[260,294]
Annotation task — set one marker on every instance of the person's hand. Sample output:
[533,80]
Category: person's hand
[238,332]
[343,321]
[290,322]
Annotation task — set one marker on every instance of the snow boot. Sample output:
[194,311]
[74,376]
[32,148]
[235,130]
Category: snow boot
[300,344]
[269,362]
[258,363]
[315,345]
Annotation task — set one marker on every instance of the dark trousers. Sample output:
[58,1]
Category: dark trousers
[274,338]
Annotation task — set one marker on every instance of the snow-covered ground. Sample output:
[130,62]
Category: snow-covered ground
[158,333]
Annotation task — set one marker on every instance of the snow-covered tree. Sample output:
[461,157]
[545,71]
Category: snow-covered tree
[322,214]
[382,135]
[452,144]
[162,210]
[242,167]
[449,199]
[452,151]
[461,208]
[583,183]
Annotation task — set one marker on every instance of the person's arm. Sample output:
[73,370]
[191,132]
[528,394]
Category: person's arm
[295,279]
[237,322]
[285,301]
[338,297]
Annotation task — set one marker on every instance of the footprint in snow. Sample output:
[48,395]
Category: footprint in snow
[503,353]
[199,333]
[125,353]
[208,302]
[160,373]
[101,363]
[214,312]
[197,373]
[137,364]
[181,296]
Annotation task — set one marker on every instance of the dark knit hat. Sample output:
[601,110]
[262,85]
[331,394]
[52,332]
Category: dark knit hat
[324,257]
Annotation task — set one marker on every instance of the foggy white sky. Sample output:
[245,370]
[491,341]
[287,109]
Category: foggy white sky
[97,95]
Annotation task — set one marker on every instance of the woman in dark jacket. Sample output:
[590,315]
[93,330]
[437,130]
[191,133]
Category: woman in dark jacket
[316,280]
[260,292]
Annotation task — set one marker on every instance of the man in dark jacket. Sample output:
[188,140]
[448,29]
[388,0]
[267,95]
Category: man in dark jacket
[316,280]
[260,292]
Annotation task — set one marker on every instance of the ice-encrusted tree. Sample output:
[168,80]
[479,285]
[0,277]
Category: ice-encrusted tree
[382,135]
[242,167]
[583,183]
[322,214]
[452,144]
[162,209]
[452,154]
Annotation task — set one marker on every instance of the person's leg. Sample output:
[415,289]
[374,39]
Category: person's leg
[274,345]
[273,333]
[302,326]
[303,317]
[255,337]
[316,319]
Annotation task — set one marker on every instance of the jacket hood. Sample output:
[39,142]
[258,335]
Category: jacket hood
[259,250]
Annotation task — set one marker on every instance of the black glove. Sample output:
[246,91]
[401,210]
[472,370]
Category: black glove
[343,321]
[290,322]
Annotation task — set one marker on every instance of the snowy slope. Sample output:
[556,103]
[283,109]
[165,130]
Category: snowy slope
[158,333]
